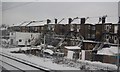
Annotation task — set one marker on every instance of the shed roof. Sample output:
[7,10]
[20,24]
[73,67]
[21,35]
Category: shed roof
[72,47]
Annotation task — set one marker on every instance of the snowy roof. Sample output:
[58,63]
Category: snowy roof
[50,46]
[49,51]
[24,48]
[37,24]
[76,21]
[17,24]
[113,50]
[22,24]
[63,21]
[3,28]
[25,23]
[89,41]
[72,47]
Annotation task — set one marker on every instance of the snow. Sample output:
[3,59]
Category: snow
[99,64]
[50,46]
[44,62]
[18,64]
[89,41]
[17,24]
[49,51]
[24,36]
[76,21]
[70,55]
[23,48]
[48,63]
[113,50]
[83,54]
[115,29]
[4,40]
[72,47]
[65,21]
[25,23]
[3,28]
[36,24]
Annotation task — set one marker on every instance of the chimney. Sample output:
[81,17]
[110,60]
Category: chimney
[82,20]
[48,21]
[55,21]
[103,19]
[119,20]
[69,20]
[100,19]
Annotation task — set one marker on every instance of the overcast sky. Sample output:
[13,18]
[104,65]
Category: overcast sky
[17,12]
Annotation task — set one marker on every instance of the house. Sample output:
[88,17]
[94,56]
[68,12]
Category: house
[113,38]
[61,29]
[72,52]
[87,31]
[23,26]
[36,27]
[88,44]
[104,55]
[23,38]
[107,32]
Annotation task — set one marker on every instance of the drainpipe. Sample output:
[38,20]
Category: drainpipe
[118,50]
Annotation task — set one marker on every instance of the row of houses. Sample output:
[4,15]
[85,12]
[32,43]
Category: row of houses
[91,33]
[105,32]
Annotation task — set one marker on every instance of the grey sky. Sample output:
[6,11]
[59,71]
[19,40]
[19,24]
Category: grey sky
[118,8]
[17,12]
[59,0]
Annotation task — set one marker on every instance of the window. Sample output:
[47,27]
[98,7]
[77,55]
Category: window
[29,40]
[93,35]
[88,26]
[110,27]
[41,28]
[11,41]
[11,33]
[36,28]
[78,27]
[52,27]
[93,27]
[20,40]
[115,38]
[107,37]
[72,28]
[88,35]
[107,27]
[76,55]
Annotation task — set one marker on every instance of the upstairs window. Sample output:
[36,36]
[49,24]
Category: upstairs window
[20,40]
[88,26]
[93,27]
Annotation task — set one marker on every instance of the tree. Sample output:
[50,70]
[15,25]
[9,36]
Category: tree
[4,26]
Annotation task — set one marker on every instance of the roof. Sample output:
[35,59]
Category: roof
[113,50]
[88,41]
[50,46]
[22,24]
[72,47]
[25,23]
[36,24]
[63,21]
[3,28]
[49,51]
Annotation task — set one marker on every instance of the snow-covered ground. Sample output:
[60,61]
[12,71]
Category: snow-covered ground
[69,65]
[44,62]
[112,50]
